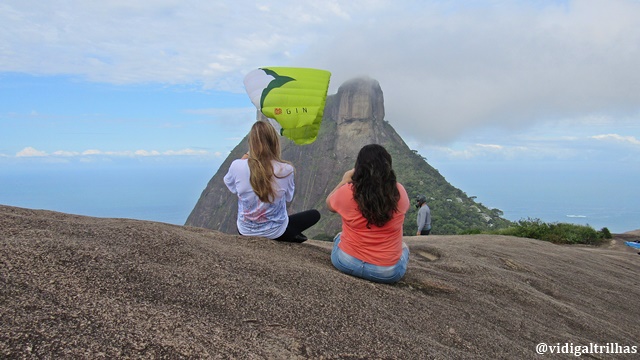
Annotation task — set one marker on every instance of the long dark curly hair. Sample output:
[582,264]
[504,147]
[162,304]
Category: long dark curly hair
[374,185]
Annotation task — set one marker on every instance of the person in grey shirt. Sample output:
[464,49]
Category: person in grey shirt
[424,215]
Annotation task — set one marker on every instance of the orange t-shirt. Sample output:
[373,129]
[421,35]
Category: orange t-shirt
[375,245]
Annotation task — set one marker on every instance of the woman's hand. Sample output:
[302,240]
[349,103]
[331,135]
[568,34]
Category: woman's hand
[346,178]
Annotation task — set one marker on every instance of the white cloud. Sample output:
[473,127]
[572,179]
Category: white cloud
[31,152]
[92,152]
[169,41]
[189,152]
[490,147]
[618,139]
[506,65]
[146,153]
[527,151]
[65,153]
[446,68]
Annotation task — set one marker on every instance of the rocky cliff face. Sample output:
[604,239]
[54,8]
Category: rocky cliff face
[358,111]
[353,117]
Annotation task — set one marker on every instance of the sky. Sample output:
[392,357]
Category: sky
[543,86]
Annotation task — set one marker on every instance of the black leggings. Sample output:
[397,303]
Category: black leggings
[298,223]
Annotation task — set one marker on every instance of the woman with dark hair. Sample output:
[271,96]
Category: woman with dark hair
[264,184]
[372,205]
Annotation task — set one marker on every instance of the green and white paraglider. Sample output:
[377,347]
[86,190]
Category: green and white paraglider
[293,97]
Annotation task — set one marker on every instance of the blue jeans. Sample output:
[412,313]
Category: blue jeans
[355,267]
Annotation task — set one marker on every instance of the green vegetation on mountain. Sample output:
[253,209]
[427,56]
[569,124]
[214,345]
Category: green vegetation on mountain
[558,233]
[452,211]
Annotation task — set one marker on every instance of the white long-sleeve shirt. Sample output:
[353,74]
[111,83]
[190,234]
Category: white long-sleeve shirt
[256,218]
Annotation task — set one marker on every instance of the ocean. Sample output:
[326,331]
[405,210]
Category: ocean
[594,196]
[146,192]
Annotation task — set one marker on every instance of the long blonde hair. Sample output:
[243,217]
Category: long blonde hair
[264,147]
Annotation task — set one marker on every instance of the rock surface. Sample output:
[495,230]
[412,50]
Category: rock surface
[82,287]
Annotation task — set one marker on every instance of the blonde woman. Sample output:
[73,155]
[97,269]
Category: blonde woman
[264,184]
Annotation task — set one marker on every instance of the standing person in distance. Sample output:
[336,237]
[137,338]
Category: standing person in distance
[264,184]
[424,215]
[372,205]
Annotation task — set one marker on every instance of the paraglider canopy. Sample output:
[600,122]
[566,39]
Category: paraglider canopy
[292,97]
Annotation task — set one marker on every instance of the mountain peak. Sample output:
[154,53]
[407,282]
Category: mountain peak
[358,99]
[353,117]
